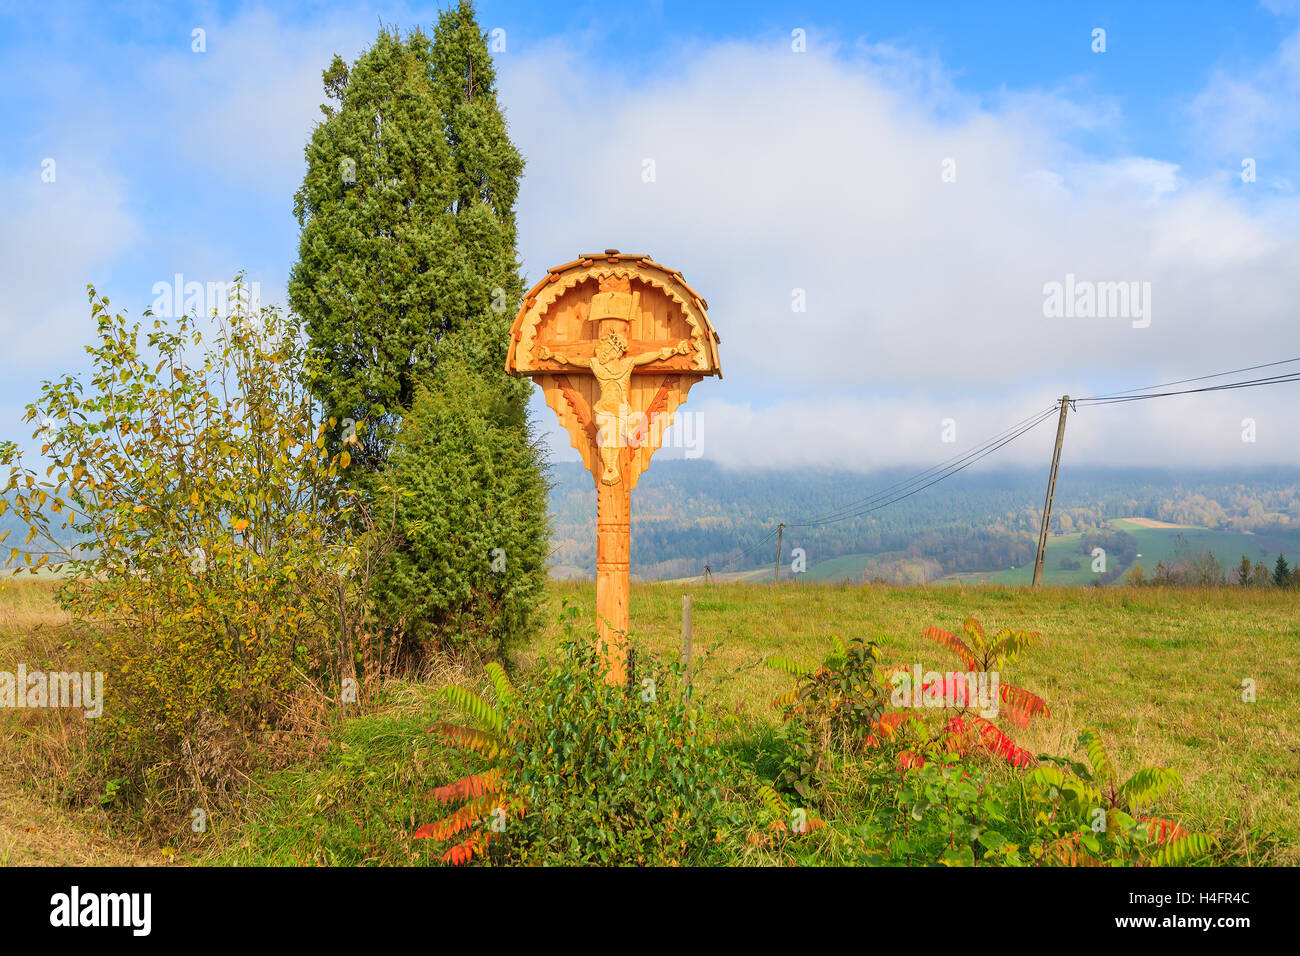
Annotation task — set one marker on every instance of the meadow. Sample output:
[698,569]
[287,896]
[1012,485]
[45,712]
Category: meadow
[1159,672]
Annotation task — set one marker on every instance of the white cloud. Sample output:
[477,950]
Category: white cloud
[245,109]
[775,171]
[867,434]
[1252,112]
[778,171]
[56,235]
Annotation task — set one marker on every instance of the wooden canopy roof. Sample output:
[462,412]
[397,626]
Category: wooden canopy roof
[593,268]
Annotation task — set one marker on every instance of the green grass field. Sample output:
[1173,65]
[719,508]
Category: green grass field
[1155,545]
[851,567]
[1159,544]
[1158,672]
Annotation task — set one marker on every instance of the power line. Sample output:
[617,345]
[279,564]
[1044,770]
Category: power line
[948,469]
[1184,381]
[748,551]
[752,548]
[921,476]
[1250,383]
[944,470]
[1038,420]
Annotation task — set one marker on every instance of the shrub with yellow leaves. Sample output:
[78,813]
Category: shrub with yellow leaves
[210,551]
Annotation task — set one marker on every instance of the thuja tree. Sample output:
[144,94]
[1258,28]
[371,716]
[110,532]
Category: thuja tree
[407,257]
[471,505]
[487,168]
[407,279]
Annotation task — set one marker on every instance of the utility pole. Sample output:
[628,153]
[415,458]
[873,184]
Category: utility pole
[776,570]
[1051,491]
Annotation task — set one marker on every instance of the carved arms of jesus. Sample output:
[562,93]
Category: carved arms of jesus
[644,358]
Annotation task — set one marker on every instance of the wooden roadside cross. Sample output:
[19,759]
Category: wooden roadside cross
[615,341]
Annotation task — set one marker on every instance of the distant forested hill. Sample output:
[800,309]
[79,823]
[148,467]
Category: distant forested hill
[686,514]
[17,528]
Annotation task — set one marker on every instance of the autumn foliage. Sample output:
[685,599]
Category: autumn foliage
[207,548]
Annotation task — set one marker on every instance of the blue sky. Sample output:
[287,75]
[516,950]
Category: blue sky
[777,171]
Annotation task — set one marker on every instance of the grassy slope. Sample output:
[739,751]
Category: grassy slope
[1058,546]
[1158,672]
[1158,544]
[1154,544]
[837,569]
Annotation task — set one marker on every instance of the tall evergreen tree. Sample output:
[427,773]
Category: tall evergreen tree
[408,248]
[487,169]
[375,233]
[1243,571]
[408,279]
[470,570]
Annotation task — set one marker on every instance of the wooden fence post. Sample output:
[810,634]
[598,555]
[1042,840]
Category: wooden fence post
[686,638]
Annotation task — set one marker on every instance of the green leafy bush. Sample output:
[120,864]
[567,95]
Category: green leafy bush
[952,814]
[583,772]
[471,516]
[1082,812]
[204,534]
[946,786]
[832,707]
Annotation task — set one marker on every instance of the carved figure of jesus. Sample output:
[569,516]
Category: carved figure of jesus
[613,367]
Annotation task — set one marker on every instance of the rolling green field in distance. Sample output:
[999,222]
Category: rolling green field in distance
[852,567]
[1156,545]
[1059,546]
[1153,545]
[1159,544]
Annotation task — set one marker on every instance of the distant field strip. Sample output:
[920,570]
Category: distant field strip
[1157,541]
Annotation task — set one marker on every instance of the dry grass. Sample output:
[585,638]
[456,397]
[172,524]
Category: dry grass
[35,833]
[1153,523]
[38,748]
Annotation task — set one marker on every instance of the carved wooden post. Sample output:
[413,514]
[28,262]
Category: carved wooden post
[613,575]
[615,341]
